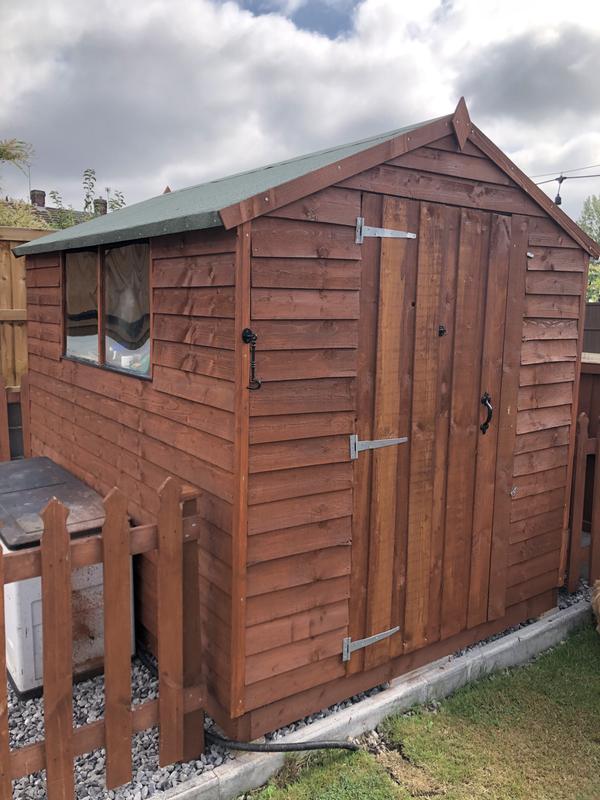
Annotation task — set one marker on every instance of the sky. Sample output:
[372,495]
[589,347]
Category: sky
[152,93]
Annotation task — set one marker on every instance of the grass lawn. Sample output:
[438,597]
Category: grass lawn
[531,733]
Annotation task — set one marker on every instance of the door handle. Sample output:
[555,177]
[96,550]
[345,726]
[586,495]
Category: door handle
[486,401]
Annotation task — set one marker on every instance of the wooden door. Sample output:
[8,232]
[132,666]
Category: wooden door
[440,326]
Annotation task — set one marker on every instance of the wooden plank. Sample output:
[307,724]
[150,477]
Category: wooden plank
[508,423]
[304,304]
[300,426]
[539,419]
[206,332]
[537,504]
[555,394]
[274,456]
[309,273]
[539,460]
[437,246]
[291,239]
[576,523]
[396,266]
[302,539]
[303,397]
[441,189]
[556,372]
[558,259]
[263,666]
[170,624]
[241,469]
[306,334]
[211,270]
[13,315]
[464,422]
[283,573]
[492,364]
[288,630]
[299,511]
[552,306]
[450,145]
[117,639]
[266,487]
[540,440]
[447,307]
[4,436]
[455,164]
[200,301]
[282,365]
[193,721]
[547,351]
[192,358]
[535,525]
[200,388]
[194,243]
[5,772]
[534,547]
[555,283]
[549,329]
[58,652]
[335,205]
[531,569]
[537,483]
[285,603]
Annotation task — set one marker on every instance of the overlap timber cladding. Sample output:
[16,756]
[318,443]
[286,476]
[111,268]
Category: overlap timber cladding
[116,430]
[308,277]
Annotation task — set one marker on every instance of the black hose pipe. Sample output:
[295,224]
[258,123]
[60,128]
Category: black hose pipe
[279,747]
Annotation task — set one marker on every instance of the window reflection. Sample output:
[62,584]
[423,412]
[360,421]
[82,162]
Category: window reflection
[81,297]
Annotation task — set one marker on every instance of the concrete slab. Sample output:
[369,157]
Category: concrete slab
[432,682]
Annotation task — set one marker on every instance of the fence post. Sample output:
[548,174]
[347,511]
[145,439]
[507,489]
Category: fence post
[193,722]
[595,532]
[117,639]
[25,415]
[170,623]
[4,436]
[5,780]
[574,567]
[57,622]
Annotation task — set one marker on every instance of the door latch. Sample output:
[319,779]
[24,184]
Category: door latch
[249,337]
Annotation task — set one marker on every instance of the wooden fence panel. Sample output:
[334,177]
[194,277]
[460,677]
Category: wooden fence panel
[13,314]
[117,640]
[58,652]
[178,711]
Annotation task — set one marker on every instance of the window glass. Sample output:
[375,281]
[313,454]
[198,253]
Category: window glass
[81,296]
[127,308]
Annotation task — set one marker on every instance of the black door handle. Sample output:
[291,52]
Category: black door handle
[486,401]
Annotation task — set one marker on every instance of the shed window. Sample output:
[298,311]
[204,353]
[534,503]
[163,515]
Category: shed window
[81,298]
[107,307]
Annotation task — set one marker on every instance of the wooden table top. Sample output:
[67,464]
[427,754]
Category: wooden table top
[27,485]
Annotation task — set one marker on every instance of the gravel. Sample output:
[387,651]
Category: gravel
[27,726]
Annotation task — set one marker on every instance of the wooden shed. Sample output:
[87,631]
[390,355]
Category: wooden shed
[317,346]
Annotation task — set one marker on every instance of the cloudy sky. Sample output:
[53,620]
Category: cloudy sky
[156,92]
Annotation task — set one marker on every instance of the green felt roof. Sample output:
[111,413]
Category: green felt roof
[196,207]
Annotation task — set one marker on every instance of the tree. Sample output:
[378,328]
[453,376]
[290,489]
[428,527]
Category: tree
[14,151]
[590,222]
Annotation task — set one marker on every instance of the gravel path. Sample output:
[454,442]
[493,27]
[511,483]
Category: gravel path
[26,726]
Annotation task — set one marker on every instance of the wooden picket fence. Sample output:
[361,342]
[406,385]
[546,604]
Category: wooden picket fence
[584,546]
[178,710]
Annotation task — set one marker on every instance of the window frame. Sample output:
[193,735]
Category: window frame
[101,303]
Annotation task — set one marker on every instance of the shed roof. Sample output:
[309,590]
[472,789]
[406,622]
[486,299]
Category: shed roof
[232,200]
[196,207]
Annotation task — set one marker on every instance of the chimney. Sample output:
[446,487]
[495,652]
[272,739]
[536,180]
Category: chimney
[100,206]
[38,198]
[167,190]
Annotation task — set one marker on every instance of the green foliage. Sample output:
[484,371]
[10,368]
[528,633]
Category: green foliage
[62,217]
[17,214]
[14,151]
[590,222]
[89,189]
[116,200]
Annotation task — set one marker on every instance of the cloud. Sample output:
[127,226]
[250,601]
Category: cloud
[152,92]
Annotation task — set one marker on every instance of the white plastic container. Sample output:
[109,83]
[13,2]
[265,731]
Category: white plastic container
[24,638]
